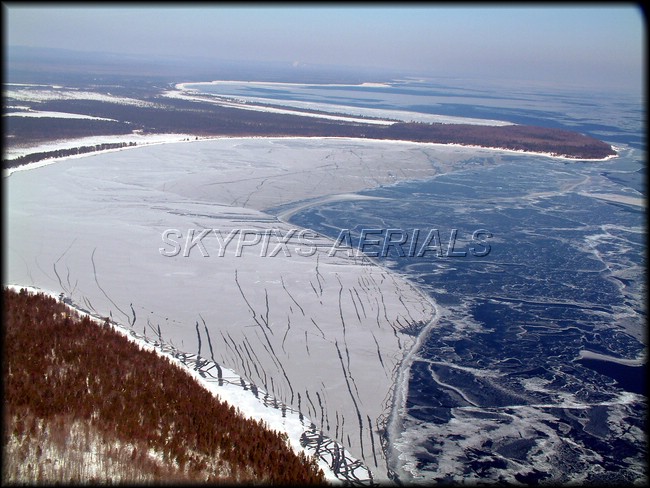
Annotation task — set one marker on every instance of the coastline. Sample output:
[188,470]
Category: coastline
[230,390]
[396,399]
[194,138]
[345,111]
[283,83]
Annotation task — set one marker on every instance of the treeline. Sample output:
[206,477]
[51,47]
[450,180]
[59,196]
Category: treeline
[206,119]
[516,137]
[59,153]
[63,369]
[20,131]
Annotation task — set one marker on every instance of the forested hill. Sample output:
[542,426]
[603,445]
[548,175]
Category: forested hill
[83,404]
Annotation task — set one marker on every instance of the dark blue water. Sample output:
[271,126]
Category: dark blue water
[498,391]
[630,378]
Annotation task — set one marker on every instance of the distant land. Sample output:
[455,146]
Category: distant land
[158,114]
[115,103]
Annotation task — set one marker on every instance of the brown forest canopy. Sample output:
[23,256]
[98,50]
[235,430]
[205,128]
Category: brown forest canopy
[61,368]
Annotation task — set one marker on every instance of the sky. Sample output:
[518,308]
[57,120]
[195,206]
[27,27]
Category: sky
[591,44]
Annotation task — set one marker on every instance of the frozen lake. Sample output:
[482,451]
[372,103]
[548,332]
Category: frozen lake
[521,364]
[172,240]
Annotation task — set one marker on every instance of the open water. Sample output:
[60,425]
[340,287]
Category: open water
[535,368]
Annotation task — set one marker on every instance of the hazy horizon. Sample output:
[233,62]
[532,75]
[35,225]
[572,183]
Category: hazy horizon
[591,46]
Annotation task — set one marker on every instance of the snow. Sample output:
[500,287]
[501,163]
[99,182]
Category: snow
[140,139]
[59,93]
[260,108]
[148,139]
[318,332]
[375,85]
[31,84]
[639,361]
[283,84]
[189,91]
[55,115]
[638,201]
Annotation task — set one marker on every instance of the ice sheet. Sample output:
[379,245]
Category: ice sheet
[321,333]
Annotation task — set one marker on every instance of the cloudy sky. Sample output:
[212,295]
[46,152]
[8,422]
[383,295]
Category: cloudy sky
[599,44]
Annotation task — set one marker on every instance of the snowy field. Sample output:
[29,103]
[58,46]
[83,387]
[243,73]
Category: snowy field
[322,332]
[54,115]
[28,93]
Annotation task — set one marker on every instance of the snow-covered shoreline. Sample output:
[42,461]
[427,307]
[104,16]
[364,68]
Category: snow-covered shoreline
[152,139]
[64,144]
[233,389]
[368,84]
[586,354]
[55,115]
[263,108]
[55,92]
[344,112]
